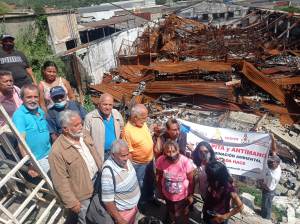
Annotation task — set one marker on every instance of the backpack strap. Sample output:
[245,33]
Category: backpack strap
[113,176]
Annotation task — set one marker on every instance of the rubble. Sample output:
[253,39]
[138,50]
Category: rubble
[243,76]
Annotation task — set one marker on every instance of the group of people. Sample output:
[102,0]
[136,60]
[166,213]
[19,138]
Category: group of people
[135,167]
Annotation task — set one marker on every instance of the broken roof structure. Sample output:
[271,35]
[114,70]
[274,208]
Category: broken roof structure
[250,66]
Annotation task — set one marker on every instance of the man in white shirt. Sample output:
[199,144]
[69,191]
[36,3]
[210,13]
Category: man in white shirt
[270,180]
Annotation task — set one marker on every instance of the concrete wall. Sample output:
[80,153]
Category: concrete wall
[14,25]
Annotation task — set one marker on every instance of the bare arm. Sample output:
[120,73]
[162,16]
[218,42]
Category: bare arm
[41,98]
[114,213]
[238,207]
[31,75]
[157,148]
[273,146]
[70,90]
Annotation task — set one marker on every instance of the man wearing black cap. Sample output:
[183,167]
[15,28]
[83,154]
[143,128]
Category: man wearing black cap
[15,62]
[58,96]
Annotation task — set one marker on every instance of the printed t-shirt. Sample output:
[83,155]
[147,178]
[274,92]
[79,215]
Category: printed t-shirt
[15,62]
[174,181]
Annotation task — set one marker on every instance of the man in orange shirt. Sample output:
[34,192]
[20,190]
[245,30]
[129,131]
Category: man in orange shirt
[140,144]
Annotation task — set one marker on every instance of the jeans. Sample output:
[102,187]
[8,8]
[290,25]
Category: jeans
[266,204]
[146,180]
[73,218]
[44,163]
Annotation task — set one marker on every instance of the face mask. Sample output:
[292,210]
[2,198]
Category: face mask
[8,47]
[172,158]
[205,156]
[61,104]
[77,134]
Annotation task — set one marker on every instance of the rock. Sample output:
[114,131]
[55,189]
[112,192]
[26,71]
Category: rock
[291,183]
[247,211]
[291,193]
[290,169]
[297,212]
[291,217]
[298,174]
[248,200]
[281,190]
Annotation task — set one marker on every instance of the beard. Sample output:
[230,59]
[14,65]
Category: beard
[77,134]
[32,105]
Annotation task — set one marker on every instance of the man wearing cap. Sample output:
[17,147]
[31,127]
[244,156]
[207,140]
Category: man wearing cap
[15,62]
[58,96]
[270,180]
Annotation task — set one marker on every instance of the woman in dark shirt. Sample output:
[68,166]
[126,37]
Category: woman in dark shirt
[220,194]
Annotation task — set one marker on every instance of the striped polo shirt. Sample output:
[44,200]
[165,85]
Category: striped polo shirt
[127,192]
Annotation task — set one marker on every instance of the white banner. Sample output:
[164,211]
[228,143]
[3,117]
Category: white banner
[244,153]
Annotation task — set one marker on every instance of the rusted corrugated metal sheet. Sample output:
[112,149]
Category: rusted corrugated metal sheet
[120,92]
[283,81]
[188,66]
[213,89]
[263,82]
[133,73]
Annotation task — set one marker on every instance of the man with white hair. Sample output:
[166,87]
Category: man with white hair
[140,144]
[120,188]
[104,124]
[74,163]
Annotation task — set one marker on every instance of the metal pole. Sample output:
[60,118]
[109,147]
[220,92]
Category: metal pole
[26,147]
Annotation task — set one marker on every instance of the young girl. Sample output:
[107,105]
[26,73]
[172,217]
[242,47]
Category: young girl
[174,174]
[220,195]
[49,73]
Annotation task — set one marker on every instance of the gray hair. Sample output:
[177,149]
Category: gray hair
[30,87]
[66,116]
[137,110]
[117,145]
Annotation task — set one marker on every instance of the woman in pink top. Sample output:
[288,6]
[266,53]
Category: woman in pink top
[49,72]
[174,174]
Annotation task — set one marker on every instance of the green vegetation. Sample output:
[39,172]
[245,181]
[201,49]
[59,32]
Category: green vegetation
[251,190]
[4,8]
[88,104]
[32,41]
[288,8]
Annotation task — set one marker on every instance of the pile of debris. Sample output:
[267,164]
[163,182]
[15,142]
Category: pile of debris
[251,67]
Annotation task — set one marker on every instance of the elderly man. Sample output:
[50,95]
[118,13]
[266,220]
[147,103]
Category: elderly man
[120,200]
[270,180]
[31,122]
[58,95]
[9,94]
[140,143]
[172,133]
[104,125]
[15,61]
[74,163]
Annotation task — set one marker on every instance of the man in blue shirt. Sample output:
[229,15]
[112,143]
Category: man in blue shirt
[59,97]
[30,121]
[104,124]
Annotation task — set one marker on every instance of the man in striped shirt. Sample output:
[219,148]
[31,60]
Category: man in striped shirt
[120,189]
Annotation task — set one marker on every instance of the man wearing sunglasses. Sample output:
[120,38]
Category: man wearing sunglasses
[58,96]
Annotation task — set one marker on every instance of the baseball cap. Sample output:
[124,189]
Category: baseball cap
[57,91]
[6,36]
